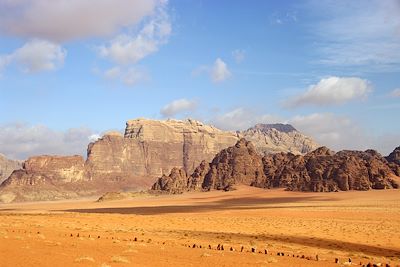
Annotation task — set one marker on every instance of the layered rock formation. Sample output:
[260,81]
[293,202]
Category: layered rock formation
[142,149]
[275,138]
[119,162]
[321,170]
[7,166]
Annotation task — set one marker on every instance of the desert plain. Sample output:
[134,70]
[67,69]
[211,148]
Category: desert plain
[305,229]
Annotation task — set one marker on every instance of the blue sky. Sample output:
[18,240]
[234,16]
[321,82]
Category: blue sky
[330,68]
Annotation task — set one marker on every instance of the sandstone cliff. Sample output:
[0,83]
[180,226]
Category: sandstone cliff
[275,138]
[153,148]
[148,149]
[7,166]
[321,170]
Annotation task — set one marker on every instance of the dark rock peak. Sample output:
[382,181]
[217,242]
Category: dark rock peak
[394,157]
[321,151]
[285,128]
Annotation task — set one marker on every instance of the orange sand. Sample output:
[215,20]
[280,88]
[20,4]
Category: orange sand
[364,226]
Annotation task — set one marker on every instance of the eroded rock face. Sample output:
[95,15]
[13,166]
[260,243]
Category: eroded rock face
[7,166]
[394,160]
[275,138]
[321,170]
[49,169]
[174,183]
[325,171]
[239,164]
[153,148]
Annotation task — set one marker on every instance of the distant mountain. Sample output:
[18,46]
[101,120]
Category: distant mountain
[275,138]
[7,166]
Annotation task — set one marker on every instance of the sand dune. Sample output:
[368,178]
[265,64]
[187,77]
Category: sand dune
[162,230]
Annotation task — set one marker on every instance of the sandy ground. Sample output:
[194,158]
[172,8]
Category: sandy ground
[162,230]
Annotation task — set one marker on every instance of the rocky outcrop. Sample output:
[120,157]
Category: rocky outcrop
[321,170]
[394,160]
[7,166]
[275,138]
[174,183]
[48,169]
[239,164]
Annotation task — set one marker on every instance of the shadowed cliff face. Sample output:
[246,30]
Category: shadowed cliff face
[321,170]
[7,166]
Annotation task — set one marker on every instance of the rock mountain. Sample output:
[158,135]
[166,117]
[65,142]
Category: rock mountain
[7,166]
[274,138]
[131,161]
[321,170]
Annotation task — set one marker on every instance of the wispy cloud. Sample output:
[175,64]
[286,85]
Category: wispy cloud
[129,76]
[358,33]
[332,130]
[20,140]
[241,118]
[395,92]
[131,48]
[127,50]
[239,55]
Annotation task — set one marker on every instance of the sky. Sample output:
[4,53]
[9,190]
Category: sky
[71,70]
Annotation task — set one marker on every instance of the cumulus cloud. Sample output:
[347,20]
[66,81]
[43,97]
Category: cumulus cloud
[35,56]
[241,119]
[131,48]
[332,91]
[238,55]
[20,141]
[337,132]
[220,71]
[129,76]
[395,92]
[341,132]
[65,20]
[178,106]
[371,42]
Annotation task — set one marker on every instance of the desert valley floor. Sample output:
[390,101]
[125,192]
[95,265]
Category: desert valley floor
[162,230]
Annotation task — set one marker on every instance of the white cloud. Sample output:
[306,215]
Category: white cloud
[131,48]
[332,91]
[94,137]
[129,76]
[341,132]
[64,20]
[220,71]
[178,106]
[36,56]
[239,55]
[372,41]
[19,141]
[337,132]
[395,92]
[241,119]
